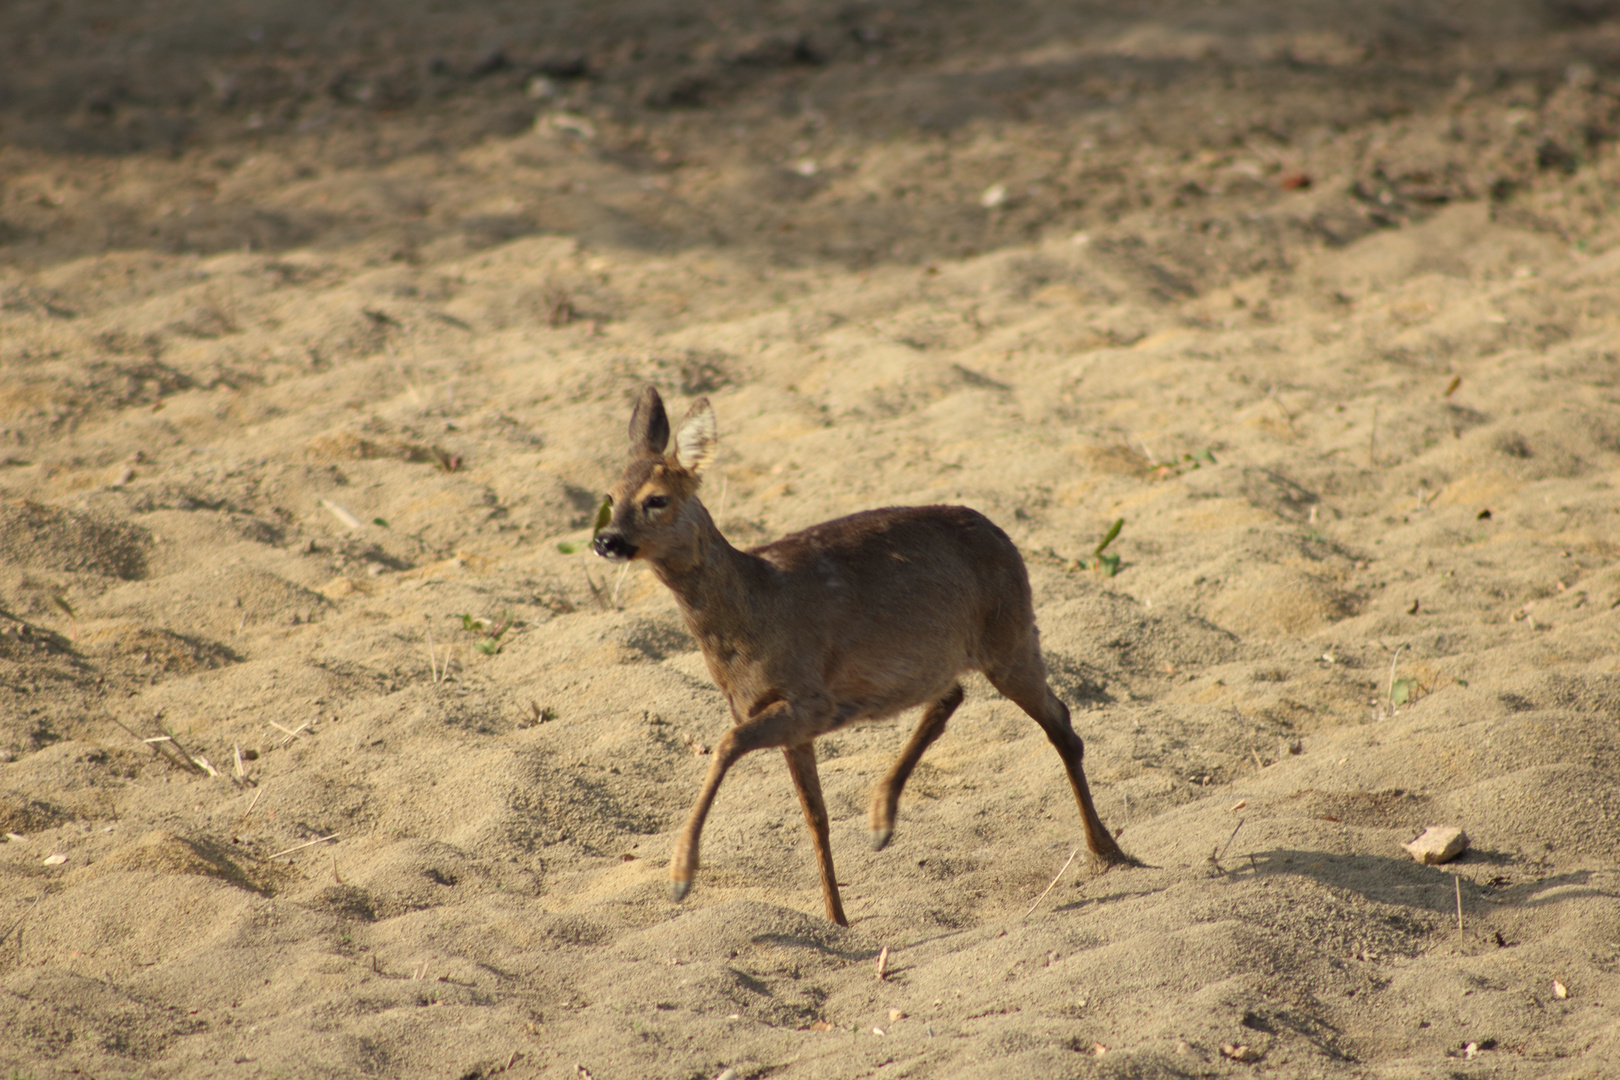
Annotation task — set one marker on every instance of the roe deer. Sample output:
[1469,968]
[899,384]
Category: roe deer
[853,619]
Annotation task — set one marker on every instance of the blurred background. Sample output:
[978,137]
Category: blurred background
[858,132]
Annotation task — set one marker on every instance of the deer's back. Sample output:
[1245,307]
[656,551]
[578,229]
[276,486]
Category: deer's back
[900,535]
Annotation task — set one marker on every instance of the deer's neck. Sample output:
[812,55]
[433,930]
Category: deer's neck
[710,579]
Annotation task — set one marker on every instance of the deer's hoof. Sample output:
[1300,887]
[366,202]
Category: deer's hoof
[678,890]
[1108,860]
[880,838]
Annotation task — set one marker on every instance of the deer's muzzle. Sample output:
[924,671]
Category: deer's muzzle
[612,545]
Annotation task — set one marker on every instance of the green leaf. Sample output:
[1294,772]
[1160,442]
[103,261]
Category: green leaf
[489,646]
[568,547]
[1108,564]
[604,514]
[1108,538]
[379,521]
[470,624]
[1402,691]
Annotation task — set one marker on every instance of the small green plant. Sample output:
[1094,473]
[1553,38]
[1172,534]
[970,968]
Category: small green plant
[604,514]
[1108,564]
[1402,691]
[1105,564]
[488,631]
[1196,460]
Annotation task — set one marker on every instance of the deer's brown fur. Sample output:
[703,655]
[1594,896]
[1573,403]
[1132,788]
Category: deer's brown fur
[853,619]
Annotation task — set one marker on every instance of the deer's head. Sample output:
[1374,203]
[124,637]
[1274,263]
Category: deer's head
[654,504]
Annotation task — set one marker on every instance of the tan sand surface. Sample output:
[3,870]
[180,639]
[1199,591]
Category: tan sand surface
[319,329]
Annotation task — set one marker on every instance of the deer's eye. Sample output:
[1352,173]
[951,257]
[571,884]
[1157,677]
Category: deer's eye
[655,502]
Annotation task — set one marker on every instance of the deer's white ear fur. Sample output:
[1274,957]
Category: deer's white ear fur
[697,440]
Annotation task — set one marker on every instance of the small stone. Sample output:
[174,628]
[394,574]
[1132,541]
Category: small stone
[1560,991]
[55,860]
[1438,844]
[896,1014]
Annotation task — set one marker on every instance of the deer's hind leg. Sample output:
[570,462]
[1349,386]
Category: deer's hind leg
[886,799]
[1025,684]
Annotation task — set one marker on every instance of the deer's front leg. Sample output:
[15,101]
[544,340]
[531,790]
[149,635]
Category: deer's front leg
[781,723]
[801,762]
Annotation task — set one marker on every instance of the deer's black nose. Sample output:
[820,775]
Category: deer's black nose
[612,545]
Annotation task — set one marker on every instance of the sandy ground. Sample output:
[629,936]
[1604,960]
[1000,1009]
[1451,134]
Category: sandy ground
[319,328]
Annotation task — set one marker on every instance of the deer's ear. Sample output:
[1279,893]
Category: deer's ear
[698,439]
[649,424]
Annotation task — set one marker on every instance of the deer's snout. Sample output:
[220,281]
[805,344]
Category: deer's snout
[612,545]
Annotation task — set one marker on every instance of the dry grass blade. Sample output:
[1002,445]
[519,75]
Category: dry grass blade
[301,847]
[249,810]
[1217,855]
[180,758]
[342,513]
[12,929]
[291,733]
[1053,884]
[596,592]
[192,761]
[617,583]
[67,609]
[433,656]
